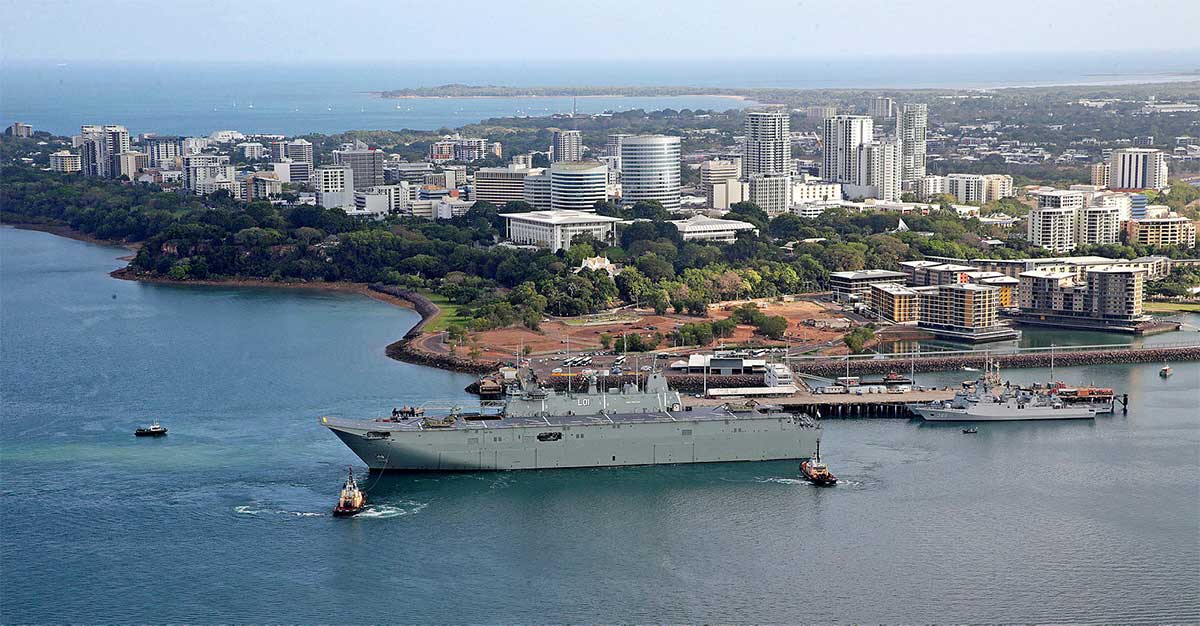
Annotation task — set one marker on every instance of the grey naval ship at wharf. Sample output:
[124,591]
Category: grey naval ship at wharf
[540,428]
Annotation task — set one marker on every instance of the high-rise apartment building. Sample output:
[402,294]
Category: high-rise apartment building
[335,186]
[299,150]
[65,161]
[911,129]
[1098,225]
[199,169]
[883,108]
[879,169]
[768,143]
[100,149]
[1137,168]
[771,192]
[650,170]
[1052,225]
[1100,174]
[843,136]
[566,145]
[161,149]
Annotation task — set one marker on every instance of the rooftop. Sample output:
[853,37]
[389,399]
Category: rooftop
[865,274]
[558,217]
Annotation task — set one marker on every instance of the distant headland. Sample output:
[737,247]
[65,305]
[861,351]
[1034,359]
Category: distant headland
[496,91]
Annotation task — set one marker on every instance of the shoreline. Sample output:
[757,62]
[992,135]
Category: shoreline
[128,273]
[64,230]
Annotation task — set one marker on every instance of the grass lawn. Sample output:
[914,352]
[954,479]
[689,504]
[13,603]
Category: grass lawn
[1170,307]
[449,315]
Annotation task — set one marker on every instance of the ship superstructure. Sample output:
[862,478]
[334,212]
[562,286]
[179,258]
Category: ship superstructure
[988,400]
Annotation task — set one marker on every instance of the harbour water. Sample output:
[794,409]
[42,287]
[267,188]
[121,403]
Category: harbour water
[226,518]
[199,98]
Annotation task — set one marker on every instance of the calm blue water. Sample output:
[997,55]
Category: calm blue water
[199,98]
[225,519]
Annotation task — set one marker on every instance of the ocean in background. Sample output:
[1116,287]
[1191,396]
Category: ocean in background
[226,519]
[196,98]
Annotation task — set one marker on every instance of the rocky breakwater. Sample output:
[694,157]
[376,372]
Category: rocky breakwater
[1063,358]
[413,347]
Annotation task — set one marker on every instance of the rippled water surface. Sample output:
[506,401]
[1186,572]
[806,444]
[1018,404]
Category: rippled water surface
[226,518]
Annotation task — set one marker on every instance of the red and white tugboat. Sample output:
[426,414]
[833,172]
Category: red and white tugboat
[816,472]
[352,500]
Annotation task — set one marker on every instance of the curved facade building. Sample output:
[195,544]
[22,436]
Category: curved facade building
[650,169]
[577,185]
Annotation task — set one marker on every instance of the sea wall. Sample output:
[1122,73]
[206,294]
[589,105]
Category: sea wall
[408,349]
[837,367]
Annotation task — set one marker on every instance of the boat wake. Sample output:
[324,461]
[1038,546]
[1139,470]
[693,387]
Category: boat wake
[387,511]
[783,481]
[246,509]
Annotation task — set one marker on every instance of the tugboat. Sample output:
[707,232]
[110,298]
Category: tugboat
[352,500]
[154,430]
[816,472]
[1165,372]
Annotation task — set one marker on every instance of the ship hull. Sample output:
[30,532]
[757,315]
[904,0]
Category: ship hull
[774,437]
[931,414]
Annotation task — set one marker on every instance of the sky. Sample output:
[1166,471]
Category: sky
[281,31]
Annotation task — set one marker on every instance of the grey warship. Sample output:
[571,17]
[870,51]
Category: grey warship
[538,428]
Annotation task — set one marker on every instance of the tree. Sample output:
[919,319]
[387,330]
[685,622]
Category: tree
[606,340]
[772,326]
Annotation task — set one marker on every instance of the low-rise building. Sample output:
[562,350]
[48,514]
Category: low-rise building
[701,228]
[556,229]
[1173,230]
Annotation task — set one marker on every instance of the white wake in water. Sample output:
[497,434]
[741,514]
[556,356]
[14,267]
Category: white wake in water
[387,511]
[246,509]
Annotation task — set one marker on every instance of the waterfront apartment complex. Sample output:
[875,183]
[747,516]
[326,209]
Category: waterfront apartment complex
[963,312]
[855,285]
[1104,297]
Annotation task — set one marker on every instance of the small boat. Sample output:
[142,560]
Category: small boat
[1166,371]
[154,430]
[816,472]
[352,500]
[970,431]
[967,368]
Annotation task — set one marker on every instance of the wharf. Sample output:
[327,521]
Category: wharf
[837,405]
